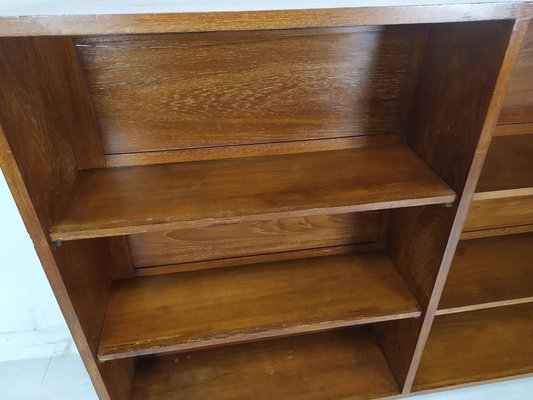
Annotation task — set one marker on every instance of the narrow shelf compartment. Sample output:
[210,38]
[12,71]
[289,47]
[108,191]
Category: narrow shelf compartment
[489,272]
[117,201]
[344,364]
[476,346]
[192,310]
[514,213]
[508,170]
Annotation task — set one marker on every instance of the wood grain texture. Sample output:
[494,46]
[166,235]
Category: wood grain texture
[489,272]
[509,230]
[499,213]
[514,129]
[508,166]
[162,92]
[254,238]
[258,259]
[457,353]
[458,53]
[200,309]
[139,199]
[447,140]
[34,115]
[518,105]
[257,20]
[38,110]
[252,150]
[346,364]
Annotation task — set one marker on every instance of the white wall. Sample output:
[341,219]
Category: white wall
[30,319]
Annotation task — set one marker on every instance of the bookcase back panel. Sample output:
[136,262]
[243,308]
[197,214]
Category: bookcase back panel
[518,106]
[183,91]
[255,238]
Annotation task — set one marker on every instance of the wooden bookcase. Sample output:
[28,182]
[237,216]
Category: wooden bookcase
[267,204]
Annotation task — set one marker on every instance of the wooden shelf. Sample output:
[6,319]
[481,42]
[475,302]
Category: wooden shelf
[508,168]
[199,309]
[116,201]
[495,213]
[489,272]
[477,346]
[346,364]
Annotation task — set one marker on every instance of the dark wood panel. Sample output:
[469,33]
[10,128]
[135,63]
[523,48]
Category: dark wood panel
[461,86]
[514,129]
[38,110]
[254,238]
[34,106]
[518,105]
[138,199]
[198,309]
[446,140]
[252,150]
[489,272]
[179,91]
[508,166]
[345,364]
[509,230]
[499,213]
[476,346]
[60,24]
[258,259]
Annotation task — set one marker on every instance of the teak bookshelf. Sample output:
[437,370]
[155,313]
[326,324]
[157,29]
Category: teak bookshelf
[280,204]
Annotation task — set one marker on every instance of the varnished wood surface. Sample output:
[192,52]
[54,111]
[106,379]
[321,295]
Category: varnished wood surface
[253,150]
[39,109]
[346,364]
[514,129]
[489,272]
[253,238]
[508,230]
[476,346]
[199,309]
[138,199]
[508,167]
[422,240]
[256,20]
[185,91]
[257,259]
[518,105]
[499,213]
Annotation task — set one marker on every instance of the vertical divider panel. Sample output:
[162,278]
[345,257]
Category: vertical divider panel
[462,83]
[45,119]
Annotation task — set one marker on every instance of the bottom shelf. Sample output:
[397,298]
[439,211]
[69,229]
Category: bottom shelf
[333,365]
[476,346]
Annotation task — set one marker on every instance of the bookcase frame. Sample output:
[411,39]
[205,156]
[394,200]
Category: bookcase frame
[337,317]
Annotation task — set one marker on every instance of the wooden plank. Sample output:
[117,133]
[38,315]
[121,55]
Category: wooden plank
[254,238]
[147,198]
[513,129]
[476,346]
[253,150]
[200,309]
[37,109]
[453,141]
[226,88]
[489,272]
[509,230]
[518,105]
[345,364]
[258,259]
[256,20]
[499,213]
[508,167]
